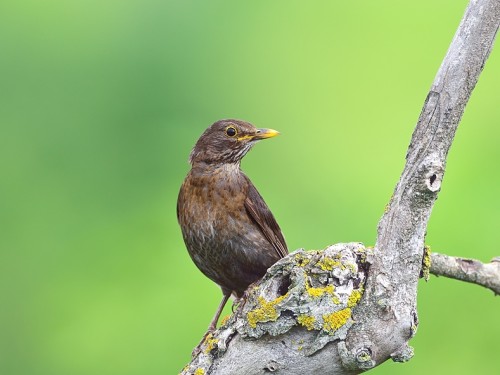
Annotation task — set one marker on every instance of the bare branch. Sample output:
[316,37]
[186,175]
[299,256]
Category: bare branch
[468,270]
[387,316]
[352,307]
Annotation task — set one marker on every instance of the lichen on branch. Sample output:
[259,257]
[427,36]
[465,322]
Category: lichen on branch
[316,291]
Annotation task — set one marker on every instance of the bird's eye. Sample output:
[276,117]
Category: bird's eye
[231,131]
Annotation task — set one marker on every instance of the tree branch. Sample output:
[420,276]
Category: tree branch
[349,308]
[468,270]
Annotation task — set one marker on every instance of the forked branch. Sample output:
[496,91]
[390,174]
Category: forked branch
[350,308]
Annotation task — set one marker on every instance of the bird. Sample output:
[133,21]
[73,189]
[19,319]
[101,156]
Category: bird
[228,229]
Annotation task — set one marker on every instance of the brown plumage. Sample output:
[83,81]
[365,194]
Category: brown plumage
[230,233]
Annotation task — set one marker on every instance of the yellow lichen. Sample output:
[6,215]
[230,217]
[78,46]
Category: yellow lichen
[364,253]
[224,320]
[352,267]
[333,321]
[207,338]
[211,343]
[388,205]
[364,356]
[354,298]
[199,371]
[265,313]
[318,292]
[301,259]
[306,321]
[336,299]
[413,329]
[426,263]
[327,264]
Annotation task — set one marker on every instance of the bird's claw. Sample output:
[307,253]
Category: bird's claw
[197,349]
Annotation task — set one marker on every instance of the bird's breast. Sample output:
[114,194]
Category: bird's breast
[210,205]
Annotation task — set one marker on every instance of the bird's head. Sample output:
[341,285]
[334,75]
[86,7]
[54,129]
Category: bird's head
[227,141]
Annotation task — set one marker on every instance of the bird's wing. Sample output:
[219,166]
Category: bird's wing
[262,216]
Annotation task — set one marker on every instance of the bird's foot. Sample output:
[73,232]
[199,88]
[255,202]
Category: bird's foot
[236,304]
[197,349]
[239,302]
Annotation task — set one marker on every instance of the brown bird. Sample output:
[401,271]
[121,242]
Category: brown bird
[230,233]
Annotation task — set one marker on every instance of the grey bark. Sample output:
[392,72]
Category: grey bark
[350,308]
[469,270]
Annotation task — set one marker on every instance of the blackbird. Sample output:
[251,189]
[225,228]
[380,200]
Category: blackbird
[230,233]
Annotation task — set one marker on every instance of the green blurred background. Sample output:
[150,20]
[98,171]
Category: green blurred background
[100,104]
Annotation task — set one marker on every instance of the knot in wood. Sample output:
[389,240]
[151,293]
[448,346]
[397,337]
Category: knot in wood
[431,170]
[272,366]
[433,180]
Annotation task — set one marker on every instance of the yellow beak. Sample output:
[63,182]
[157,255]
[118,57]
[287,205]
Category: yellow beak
[266,133]
[259,134]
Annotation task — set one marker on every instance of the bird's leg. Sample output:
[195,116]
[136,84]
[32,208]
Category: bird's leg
[213,323]
[215,319]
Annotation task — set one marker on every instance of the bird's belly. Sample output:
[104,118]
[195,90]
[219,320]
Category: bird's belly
[228,249]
